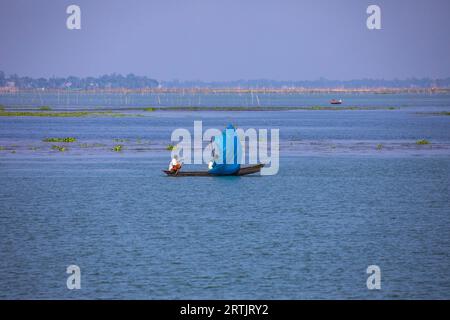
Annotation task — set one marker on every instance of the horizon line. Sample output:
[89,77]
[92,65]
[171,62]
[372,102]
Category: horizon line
[411,78]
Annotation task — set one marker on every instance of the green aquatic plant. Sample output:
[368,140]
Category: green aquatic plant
[171,147]
[391,108]
[2,108]
[78,114]
[117,148]
[45,108]
[69,114]
[441,113]
[379,146]
[2,148]
[422,142]
[59,148]
[266,108]
[67,139]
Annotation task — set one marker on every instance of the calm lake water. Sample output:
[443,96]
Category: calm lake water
[76,100]
[337,205]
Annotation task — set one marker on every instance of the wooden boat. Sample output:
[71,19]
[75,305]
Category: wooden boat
[334,101]
[242,172]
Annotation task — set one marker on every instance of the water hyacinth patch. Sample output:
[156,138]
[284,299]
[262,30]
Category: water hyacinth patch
[117,148]
[67,139]
[422,142]
[170,147]
[68,114]
[59,148]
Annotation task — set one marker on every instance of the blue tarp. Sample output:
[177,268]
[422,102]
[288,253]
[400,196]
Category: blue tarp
[227,161]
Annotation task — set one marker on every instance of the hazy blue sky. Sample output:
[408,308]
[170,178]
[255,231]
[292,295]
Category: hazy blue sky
[227,40]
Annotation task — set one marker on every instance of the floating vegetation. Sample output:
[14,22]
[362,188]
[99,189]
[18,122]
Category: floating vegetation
[2,148]
[271,108]
[68,114]
[117,148]
[379,146]
[260,108]
[68,139]
[442,113]
[422,142]
[59,148]
[45,108]
[14,151]
[2,108]
[77,114]
[315,108]
[171,147]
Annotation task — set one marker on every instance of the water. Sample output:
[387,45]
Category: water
[336,206]
[76,100]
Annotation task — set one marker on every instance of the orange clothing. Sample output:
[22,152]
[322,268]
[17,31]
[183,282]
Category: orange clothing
[176,167]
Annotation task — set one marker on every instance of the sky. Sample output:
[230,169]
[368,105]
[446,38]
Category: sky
[214,40]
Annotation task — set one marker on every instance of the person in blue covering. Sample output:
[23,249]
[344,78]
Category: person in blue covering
[226,153]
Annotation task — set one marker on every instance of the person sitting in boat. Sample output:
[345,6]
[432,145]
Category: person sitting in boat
[212,162]
[174,165]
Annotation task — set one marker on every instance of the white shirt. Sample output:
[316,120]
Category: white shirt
[173,163]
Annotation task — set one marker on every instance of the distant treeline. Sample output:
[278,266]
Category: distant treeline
[106,81]
[132,81]
[320,83]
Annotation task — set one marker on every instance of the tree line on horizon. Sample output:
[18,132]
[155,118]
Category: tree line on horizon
[132,81]
[311,84]
[103,82]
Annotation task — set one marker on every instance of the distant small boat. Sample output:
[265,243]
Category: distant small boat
[334,101]
[242,172]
